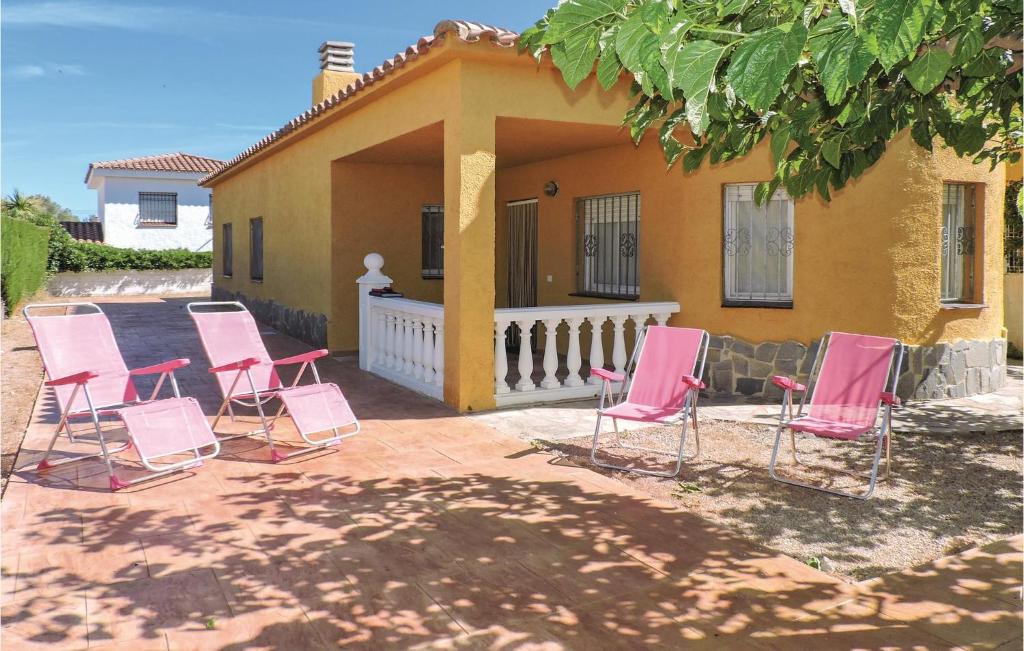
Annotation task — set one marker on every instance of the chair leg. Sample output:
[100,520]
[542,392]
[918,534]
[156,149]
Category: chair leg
[653,473]
[873,478]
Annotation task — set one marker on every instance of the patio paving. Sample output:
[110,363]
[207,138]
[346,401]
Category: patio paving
[428,530]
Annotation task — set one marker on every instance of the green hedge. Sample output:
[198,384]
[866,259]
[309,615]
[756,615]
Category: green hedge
[86,256]
[23,248]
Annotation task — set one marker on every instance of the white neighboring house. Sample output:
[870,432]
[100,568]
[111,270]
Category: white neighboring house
[154,202]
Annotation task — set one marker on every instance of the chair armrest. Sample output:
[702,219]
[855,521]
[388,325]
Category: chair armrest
[240,365]
[607,376]
[302,357]
[789,384]
[75,378]
[891,399]
[693,382]
[163,367]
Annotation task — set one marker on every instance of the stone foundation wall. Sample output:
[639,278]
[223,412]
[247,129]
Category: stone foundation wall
[305,326]
[945,370]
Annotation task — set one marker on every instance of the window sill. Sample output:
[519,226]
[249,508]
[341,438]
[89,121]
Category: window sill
[142,225]
[226,276]
[963,306]
[258,281]
[776,305]
[431,277]
[610,297]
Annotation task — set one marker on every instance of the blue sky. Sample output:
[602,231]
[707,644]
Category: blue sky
[87,81]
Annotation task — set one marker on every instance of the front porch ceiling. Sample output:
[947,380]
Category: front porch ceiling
[517,142]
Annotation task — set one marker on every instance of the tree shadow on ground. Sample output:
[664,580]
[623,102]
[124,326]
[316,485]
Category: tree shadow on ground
[303,557]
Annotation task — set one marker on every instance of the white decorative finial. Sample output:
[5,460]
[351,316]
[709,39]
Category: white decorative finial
[373,262]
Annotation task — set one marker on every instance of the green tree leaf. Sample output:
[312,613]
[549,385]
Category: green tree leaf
[779,144]
[630,39]
[831,151]
[608,69]
[762,62]
[694,72]
[575,16]
[928,70]
[842,58]
[900,26]
[575,57]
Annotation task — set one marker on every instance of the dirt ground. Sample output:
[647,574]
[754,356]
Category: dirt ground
[22,371]
[946,493]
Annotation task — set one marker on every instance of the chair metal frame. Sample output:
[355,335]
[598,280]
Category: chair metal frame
[259,398]
[687,412]
[94,412]
[880,433]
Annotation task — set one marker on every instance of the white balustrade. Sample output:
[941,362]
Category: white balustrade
[625,317]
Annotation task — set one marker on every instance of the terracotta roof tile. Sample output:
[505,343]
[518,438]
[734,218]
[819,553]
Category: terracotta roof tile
[85,231]
[464,30]
[175,162]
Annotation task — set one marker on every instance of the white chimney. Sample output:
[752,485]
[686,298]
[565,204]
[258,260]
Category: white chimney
[337,56]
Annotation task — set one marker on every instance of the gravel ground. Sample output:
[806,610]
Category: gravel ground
[22,371]
[946,494]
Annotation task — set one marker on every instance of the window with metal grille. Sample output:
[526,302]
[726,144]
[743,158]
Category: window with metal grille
[608,245]
[757,248]
[958,242]
[159,208]
[1013,232]
[227,249]
[433,241]
[256,248]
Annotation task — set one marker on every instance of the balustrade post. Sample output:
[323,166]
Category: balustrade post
[619,357]
[372,279]
[417,347]
[391,358]
[377,350]
[439,354]
[500,358]
[525,382]
[573,360]
[427,354]
[596,345]
[661,318]
[407,344]
[550,380]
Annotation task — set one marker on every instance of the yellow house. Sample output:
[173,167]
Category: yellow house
[517,219]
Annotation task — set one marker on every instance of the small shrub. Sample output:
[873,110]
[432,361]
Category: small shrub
[22,260]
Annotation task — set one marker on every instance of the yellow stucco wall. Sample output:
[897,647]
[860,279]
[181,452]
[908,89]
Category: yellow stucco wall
[1014,307]
[866,262]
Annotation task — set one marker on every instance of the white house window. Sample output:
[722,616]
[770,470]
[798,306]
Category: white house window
[958,235]
[608,245]
[158,208]
[432,219]
[757,248]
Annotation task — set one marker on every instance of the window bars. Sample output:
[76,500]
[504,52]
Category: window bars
[1013,235]
[608,245]
[433,241]
[256,248]
[160,208]
[757,247]
[227,250]
[958,242]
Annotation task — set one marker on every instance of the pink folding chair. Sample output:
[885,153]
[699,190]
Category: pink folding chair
[667,364]
[236,352]
[90,380]
[853,380]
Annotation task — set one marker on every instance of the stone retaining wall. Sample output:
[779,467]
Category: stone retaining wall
[945,370]
[305,326]
[134,282]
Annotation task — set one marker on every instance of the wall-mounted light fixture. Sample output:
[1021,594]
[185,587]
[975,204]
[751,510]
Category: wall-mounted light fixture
[551,188]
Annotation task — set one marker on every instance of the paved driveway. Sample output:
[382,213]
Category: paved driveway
[428,530]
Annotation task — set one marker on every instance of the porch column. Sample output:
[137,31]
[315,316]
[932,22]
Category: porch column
[469,164]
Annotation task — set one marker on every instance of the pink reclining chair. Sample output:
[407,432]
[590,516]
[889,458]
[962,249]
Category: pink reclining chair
[90,380]
[236,353]
[855,381]
[667,365]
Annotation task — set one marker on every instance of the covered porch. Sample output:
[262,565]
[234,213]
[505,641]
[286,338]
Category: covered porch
[498,304]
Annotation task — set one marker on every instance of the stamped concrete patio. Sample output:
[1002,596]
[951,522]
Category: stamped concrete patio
[428,530]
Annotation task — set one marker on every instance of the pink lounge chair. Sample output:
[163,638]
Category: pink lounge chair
[90,380]
[236,351]
[667,365]
[855,381]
